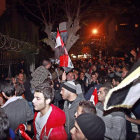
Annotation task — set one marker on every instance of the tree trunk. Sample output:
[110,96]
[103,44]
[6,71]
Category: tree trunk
[72,28]
[49,41]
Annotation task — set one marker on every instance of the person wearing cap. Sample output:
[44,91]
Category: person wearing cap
[88,127]
[71,77]
[68,92]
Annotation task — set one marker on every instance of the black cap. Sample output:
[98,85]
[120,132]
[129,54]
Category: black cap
[92,126]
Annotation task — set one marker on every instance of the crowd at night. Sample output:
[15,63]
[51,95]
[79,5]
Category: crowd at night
[69,70]
[59,105]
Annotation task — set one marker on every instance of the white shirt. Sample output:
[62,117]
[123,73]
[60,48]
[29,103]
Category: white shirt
[41,121]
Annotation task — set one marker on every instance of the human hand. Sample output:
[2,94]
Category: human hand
[1,101]
[25,136]
[127,118]
[64,76]
[21,127]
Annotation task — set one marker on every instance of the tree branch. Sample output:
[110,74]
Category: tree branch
[49,41]
[41,11]
[31,12]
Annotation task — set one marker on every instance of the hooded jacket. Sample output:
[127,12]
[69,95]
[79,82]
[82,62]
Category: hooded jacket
[56,121]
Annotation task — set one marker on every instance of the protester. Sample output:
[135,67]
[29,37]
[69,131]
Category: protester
[17,109]
[100,81]
[85,107]
[5,132]
[48,119]
[125,70]
[133,121]
[72,100]
[93,81]
[28,95]
[88,127]
[116,81]
[41,73]
[115,122]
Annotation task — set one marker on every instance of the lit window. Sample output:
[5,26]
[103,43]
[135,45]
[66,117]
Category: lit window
[136,25]
[116,27]
[123,24]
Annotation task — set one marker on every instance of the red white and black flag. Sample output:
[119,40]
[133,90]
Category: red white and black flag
[126,94]
[61,54]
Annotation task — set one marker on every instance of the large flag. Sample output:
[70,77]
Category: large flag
[59,47]
[126,94]
[61,54]
[59,41]
[94,97]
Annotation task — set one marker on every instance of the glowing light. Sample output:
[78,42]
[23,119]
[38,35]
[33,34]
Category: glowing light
[94,31]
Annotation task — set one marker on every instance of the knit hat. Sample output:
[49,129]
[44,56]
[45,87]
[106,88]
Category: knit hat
[70,86]
[91,125]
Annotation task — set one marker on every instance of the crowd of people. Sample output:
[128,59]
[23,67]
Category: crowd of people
[51,104]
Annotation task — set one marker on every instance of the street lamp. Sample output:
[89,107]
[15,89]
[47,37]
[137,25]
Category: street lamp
[94,31]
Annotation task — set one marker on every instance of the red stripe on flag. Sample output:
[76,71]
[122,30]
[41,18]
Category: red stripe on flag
[64,60]
[58,35]
[95,96]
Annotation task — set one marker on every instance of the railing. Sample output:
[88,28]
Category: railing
[9,62]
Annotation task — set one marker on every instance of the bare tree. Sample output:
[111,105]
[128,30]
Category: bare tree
[72,10]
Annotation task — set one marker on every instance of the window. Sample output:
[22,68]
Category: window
[136,25]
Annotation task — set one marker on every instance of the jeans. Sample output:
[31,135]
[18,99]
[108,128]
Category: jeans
[64,36]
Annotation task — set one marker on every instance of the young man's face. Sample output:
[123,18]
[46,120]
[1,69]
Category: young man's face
[76,133]
[65,93]
[79,111]
[49,65]
[39,101]
[93,77]
[114,83]
[70,76]
[101,95]
[124,73]
[20,77]
[82,75]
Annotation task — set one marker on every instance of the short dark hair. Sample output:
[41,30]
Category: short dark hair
[46,62]
[20,73]
[107,79]
[93,73]
[72,74]
[126,67]
[4,125]
[107,86]
[87,107]
[46,89]
[101,79]
[8,88]
[19,89]
[117,79]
